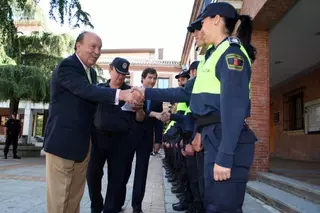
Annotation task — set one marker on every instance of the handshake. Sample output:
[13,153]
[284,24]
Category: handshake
[162,116]
[134,96]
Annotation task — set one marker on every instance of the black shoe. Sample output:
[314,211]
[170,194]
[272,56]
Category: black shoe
[168,175]
[137,211]
[16,157]
[172,179]
[180,206]
[176,184]
[178,189]
[95,211]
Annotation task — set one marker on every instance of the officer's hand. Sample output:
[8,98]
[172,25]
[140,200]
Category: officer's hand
[137,106]
[131,96]
[183,153]
[221,173]
[196,143]
[157,115]
[189,150]
[165,116]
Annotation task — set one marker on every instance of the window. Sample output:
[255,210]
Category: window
[163,83]
[293,111]
[312,118]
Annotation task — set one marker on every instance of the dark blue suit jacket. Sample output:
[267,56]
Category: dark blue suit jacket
[72,108]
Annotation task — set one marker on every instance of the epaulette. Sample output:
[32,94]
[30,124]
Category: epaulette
[234,40]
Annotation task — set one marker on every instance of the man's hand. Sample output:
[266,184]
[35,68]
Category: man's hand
[137,106]
[156,115]
[165,116]
[196,143]
[221,173]
[131,96]
[189,150]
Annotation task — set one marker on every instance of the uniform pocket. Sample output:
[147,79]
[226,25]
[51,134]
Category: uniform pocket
[244,154]
[212,134]
[247,136]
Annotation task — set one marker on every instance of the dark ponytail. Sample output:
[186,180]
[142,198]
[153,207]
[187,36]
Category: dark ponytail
[244,34]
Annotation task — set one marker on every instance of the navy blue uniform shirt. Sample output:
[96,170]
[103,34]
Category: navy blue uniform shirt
[111,117]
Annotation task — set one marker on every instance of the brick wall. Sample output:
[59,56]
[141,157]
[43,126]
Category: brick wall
[295,144]
[259,120]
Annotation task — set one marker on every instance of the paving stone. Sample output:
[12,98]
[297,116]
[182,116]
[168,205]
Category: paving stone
[22,189]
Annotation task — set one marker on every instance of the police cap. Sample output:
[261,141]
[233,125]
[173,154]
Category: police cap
[195,25]
[183,73]
[219,8]
[193,65]
[121,65]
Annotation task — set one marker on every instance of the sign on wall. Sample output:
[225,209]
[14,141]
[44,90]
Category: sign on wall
[312,110]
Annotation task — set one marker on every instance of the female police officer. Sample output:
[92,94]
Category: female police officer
[220,100]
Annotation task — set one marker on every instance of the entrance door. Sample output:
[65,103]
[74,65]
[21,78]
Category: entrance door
[272,131]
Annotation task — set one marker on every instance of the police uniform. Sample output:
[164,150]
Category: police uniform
[110,135]
[13,130]
[221,102]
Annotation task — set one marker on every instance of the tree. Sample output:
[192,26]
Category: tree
[11,10]
[35,56]
[23,83]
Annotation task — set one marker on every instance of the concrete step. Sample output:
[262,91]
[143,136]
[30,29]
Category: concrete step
[281,200]
[253,205]
[304,190]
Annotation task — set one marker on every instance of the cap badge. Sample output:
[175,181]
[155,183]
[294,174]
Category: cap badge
[124,65]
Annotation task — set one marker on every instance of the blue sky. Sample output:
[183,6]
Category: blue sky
[137,23]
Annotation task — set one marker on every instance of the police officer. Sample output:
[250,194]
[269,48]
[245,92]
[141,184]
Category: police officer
[111,134]
[221,102]
[13,132]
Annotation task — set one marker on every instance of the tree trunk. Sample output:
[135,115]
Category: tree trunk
[14,106]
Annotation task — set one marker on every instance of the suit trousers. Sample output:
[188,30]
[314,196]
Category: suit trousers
[65,183]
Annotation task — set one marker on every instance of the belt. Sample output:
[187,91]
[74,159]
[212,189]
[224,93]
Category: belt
[207,120]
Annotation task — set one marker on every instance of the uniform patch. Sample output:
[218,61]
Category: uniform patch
[234,40]
[235,62]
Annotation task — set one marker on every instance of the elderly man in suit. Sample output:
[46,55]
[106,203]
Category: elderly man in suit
[74,96]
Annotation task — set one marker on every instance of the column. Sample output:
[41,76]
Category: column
[260,102]
[27,123]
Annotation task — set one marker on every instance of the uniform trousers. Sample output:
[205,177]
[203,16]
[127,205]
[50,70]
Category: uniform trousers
[226,196]
[107,147]
[11,140]
[200,167]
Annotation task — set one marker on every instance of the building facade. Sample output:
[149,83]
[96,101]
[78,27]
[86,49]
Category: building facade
[285,77]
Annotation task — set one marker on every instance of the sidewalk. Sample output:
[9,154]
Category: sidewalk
[22,189]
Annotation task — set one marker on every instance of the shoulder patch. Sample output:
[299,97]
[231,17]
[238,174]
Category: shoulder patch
[235,62]
[234,40]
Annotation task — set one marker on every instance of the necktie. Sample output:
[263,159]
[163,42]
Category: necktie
[88,74]
[148,104]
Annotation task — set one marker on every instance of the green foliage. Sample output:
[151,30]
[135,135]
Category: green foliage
[4,59]
[11,10]
[23,83]
[41,43]
[39,125]
[71,9]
